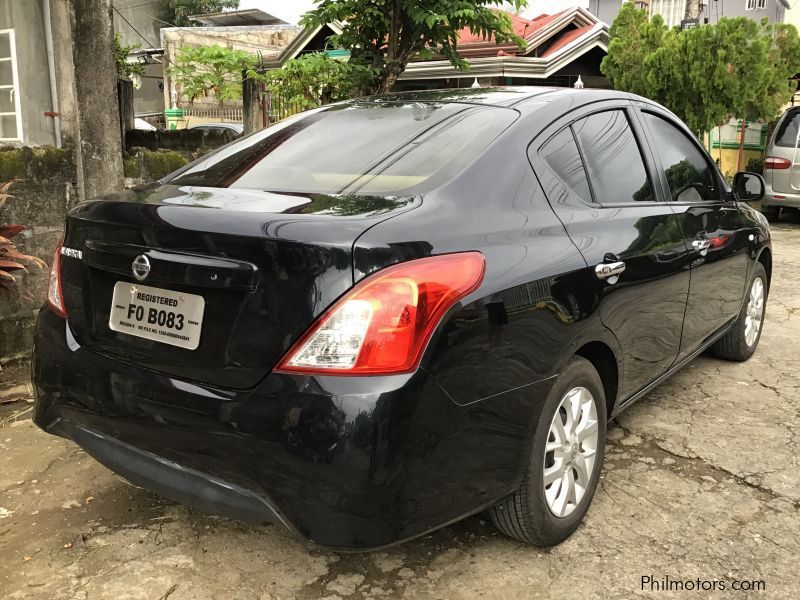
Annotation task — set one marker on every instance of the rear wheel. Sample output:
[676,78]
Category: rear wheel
[564,464]
[741,341]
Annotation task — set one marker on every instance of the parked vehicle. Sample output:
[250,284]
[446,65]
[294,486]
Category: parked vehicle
[379,317]
[782,166]
[236,128]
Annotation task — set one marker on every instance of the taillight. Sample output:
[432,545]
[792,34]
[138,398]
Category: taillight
[384,323]
[54,296]
[773,162]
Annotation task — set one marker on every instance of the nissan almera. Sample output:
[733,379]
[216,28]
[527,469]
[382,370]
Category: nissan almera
[382,316]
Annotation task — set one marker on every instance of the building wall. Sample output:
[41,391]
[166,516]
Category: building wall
[25,17]
[45,189]
[605,10]
[674,11]
[141,15]
[268,40]
[141,27]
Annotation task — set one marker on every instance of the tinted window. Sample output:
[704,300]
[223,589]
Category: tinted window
[689,174]
[786,135]
[615,164]
[561,155]
[356,148]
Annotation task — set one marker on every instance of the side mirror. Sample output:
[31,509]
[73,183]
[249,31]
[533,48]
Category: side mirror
[748,187]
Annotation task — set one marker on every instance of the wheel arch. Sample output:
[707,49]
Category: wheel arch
[765,258]
[605,362]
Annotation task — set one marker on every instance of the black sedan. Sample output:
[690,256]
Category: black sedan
[379,317]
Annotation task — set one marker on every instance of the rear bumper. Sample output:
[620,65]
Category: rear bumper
[345,463]
[773,198]
[170,479]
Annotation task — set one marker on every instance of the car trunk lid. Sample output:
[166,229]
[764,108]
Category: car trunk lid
[264,265]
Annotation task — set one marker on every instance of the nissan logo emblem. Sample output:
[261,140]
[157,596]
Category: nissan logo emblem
[141,267]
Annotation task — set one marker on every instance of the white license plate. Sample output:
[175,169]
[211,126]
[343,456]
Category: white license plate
[174,318]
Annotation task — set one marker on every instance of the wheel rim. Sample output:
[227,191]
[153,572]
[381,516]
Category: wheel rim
[755,312]
[570,452]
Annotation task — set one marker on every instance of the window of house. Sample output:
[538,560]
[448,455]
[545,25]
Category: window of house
[755,4]
[10,116]
[613,159]
[672,11]
[689,174]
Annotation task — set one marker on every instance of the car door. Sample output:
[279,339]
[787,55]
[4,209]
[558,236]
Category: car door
[603,187]
[712,225]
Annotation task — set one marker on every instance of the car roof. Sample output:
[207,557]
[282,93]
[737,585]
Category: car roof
[510,96]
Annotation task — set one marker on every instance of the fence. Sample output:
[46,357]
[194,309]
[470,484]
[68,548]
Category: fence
[217,113]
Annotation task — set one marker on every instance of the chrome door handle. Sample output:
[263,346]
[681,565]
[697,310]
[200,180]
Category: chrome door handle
[610,271]
[701,246]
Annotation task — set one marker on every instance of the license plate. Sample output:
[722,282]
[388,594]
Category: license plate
[173,318]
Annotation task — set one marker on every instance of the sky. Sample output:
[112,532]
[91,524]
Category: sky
[291,10]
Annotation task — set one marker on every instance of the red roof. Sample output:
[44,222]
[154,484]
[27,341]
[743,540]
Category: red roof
[522,27]
[565,39]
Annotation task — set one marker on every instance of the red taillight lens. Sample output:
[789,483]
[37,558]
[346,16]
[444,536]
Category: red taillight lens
[54,296]
[384,323]
[773,162]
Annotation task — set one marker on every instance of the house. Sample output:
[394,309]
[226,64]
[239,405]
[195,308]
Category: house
[28,94]
[139,25]
[675,11]
[253,31]
[559,48]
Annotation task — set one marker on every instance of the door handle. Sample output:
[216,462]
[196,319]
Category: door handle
[610,271]
[701,246]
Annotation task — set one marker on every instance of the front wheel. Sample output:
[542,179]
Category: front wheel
[564,464]
[742,339]
[773,213]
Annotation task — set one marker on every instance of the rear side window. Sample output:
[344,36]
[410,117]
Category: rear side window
[356,148]
[689,174]
[786,134]
[613,159]
[561,155]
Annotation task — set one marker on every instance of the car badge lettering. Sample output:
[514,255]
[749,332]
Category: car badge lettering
[72,253]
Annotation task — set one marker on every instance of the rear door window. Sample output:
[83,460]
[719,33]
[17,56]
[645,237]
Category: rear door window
[560,153]
[613,158]
[786,134]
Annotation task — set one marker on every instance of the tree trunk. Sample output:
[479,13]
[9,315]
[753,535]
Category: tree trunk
[98,104]
[741,146]
[388,79]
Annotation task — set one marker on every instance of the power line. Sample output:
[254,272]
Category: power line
[136,31]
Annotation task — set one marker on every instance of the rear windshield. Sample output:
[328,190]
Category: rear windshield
[356,148]
[786,135]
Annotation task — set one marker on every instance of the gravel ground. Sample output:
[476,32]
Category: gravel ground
[702,480]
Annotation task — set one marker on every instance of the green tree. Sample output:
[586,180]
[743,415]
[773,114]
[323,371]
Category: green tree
[210,70]
[315,79]
[385,34]
[177,12]
[707,74]
[126,70]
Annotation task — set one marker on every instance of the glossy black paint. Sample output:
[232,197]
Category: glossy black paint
[361,462]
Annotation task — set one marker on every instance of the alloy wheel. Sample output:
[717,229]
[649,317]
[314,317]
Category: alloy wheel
[755,312]
[570,452]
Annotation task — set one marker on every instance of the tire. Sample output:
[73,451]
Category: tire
[773,213]
[734,344]
[527,515]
